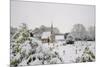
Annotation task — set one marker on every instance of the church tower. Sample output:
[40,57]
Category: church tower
[52,33]
[51,28]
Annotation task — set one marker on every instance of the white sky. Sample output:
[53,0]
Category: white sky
[63,16]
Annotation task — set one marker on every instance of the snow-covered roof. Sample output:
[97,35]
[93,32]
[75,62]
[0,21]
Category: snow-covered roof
[46,34]
[59,37]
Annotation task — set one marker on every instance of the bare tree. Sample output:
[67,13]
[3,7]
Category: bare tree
[79,32]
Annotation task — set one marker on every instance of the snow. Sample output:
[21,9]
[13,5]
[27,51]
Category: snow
[23,63]
[59,37]
[36,52]
[46,35]
[55,61]
[26,48]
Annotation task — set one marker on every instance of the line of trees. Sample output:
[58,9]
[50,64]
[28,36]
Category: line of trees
[79,32]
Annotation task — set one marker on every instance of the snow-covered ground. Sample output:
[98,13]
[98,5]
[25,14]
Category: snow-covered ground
[34,52]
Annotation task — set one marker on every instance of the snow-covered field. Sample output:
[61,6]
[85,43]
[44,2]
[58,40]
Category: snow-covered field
[34,52]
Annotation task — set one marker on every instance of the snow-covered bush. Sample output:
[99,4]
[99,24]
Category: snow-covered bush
[27,48]
[32,52]
[87,56]
[69,39]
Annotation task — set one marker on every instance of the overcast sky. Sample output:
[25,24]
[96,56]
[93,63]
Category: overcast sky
[63,16]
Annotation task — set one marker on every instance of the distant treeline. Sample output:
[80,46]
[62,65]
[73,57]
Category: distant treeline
[78,32]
